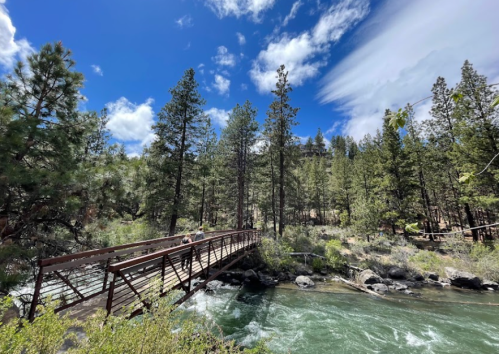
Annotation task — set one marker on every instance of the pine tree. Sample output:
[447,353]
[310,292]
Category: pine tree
[42,138]
[178,129]
[280,120]
[238,139]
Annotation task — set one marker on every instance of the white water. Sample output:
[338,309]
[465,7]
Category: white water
[314,322]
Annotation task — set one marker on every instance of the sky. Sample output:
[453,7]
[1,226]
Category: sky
[348,60]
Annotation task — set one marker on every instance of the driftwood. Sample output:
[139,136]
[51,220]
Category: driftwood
[306,254]
[360,287]
[354,268]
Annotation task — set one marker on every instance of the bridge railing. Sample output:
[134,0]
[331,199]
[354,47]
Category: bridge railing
[74,278]
[175,268]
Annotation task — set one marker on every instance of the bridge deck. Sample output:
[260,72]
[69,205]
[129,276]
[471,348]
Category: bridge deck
[87,283]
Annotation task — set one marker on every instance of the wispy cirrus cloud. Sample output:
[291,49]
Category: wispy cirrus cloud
[304,54]
[185,21]
[97,70]
[403,48]
[292,13]
[238,8]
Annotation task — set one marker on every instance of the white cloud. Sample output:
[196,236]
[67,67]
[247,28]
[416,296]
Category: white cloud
[221,84]
[244,87]
[241,39]
[97,69]
[404,47]
[224,58]
[129,122]
[185,21]
[11,50]
[333,128]
[238,8]
[201,68]
[305,53]
[188,46]
[218,116]
[292,13]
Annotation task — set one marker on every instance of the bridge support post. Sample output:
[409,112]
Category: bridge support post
[36,295]
[109,304]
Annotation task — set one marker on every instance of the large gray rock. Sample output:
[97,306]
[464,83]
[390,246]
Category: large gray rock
[304,282]
[489,285]
[369,277]
[250,276]
[400,287]
[432,276]
[379,288]
[463,279]
[267,280]
[302,269]
[397,273]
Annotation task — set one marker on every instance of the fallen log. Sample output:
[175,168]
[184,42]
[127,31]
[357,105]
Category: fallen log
[361,288]
[306,254]
[354,268]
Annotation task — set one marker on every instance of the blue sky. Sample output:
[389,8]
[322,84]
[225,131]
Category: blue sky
[348,59]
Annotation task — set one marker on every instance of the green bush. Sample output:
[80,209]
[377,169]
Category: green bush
[333,254]
[275,254]
[427,261]
[317,264]
[160,330]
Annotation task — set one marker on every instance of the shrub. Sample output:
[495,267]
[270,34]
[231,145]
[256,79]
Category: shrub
[333,254]
[275,254]
[317,264]
[427,261]
[159,330]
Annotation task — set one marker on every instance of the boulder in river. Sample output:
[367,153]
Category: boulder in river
[250,276]
[397,273]
[304,282]
[291,276]
[214,285]
[432,276]
[369,277]
[379,288]
[267,280]
[418,277]
[489,285]
[463,279]
[400,287]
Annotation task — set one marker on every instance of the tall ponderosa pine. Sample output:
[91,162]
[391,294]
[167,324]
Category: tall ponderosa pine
[238,139]
[280,120]
[178,128]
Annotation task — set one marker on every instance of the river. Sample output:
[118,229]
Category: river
[333,319]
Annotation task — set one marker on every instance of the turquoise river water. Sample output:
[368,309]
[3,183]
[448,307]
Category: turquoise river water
[333,319]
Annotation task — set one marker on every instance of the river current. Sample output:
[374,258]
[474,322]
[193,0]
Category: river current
[333,319]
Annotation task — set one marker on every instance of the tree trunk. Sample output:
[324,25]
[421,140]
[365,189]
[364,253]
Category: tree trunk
[471,221]
[281,179]
[273,191]
[178,184]
[201,208]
